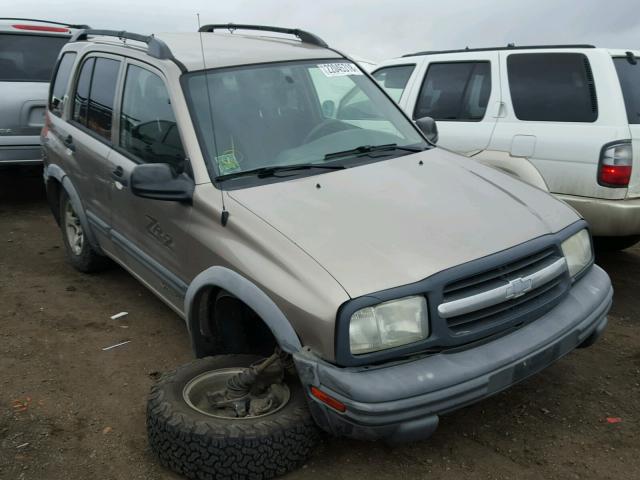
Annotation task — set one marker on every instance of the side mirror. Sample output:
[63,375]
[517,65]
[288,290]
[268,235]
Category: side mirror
[159,181]
[328,108]
[427,125]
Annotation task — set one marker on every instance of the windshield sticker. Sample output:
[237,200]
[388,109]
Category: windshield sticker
[227,162]
[339,69]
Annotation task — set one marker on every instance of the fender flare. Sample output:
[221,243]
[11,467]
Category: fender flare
[247,292]
[54,171]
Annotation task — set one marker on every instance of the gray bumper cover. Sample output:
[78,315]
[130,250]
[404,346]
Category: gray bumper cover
[401,402]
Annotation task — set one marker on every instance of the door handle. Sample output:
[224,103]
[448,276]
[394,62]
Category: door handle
[118,175]
[68,142]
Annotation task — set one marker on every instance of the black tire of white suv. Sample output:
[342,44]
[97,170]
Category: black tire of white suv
[80,253]
[201,446]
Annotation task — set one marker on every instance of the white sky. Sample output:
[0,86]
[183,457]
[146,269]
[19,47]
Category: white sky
[372,29]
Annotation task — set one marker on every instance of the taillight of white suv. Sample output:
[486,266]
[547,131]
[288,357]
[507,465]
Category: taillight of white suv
[616,160]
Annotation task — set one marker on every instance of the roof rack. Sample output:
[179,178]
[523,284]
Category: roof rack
[155,47]
[304,36]
[510,46]
[70,25]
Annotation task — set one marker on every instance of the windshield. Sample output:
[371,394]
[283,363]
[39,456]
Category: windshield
[294,113]
[629,75]
[28,58]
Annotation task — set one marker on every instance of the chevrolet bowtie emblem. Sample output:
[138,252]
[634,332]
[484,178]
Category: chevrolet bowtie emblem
[518,287]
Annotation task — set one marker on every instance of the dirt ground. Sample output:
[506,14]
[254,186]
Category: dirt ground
[70,410]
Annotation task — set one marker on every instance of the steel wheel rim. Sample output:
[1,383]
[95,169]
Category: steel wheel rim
[194,393]
[75,234]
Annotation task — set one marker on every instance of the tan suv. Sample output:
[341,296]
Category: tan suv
[332,266]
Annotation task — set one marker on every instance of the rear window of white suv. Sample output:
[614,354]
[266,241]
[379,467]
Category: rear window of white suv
[552,87]
[629,75]
[28,58]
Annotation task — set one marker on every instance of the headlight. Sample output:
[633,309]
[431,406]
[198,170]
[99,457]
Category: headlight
[389,325]
[577,251]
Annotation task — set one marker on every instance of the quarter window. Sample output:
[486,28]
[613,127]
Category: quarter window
[456,91]
[394,79]
[552,87]
[629,76]
[59,87]
[95,95]
[148,129]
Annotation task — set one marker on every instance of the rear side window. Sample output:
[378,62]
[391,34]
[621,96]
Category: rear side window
[102,96]
[59,86]
[552,87]
[629,76]
[394,79]
[95,95]
[456,91]
[28,58]
[148,129]
[81,97]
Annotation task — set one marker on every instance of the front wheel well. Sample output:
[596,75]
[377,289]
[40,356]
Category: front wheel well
[224,324]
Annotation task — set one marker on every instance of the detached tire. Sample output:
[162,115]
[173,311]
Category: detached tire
[204,447]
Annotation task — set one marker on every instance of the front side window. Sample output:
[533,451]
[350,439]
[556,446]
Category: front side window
[59,86]
[28,58]
[95,95]
[552,87]
[293,113]
[394,79]
[456,91]
[148,129]
[629,76]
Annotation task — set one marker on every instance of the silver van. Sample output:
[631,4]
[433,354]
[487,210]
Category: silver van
[28,52]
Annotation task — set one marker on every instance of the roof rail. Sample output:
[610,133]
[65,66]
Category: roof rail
[155,47]
[304,36]
[70,25]
[510,46]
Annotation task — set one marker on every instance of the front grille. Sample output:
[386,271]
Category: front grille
[505,296]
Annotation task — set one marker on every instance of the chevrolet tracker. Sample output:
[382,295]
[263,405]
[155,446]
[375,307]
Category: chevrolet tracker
[334,268]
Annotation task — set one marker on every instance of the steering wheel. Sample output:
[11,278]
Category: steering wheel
[326,127]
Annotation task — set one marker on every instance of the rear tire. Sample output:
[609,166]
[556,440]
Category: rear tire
[614,244]
[80,253]
[201,446]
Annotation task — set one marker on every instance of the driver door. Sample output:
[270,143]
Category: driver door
[150,236]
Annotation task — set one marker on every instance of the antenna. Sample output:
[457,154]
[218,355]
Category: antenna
[225,213]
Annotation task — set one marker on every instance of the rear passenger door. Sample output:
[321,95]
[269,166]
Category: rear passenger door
[150,236]
[87,137]
[462,93]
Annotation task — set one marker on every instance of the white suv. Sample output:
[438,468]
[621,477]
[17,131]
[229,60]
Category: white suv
[563,118]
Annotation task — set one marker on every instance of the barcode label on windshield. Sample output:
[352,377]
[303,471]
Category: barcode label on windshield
[339,69]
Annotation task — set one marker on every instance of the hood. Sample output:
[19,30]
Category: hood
[395,222]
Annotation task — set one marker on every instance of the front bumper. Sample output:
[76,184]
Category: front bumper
[402,401]
[608,218]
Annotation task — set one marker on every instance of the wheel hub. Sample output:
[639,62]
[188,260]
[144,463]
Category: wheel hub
[75,234]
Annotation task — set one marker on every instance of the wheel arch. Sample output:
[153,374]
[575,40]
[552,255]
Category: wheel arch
[519,167]
[57,180]
[220,278]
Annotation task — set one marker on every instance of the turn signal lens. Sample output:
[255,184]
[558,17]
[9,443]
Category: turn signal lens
[328,400]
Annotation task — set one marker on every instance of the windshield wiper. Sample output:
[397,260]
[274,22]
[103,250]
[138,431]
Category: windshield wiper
[371,148]
[264,172]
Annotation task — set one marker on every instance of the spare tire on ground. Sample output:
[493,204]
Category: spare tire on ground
[207,444]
